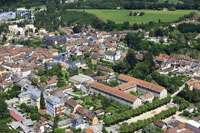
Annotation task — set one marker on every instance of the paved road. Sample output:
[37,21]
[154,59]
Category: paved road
[147,115]
[179,90]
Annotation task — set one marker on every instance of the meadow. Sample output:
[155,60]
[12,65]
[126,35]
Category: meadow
[120,16]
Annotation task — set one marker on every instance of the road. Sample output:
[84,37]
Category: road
[147,115]
[179,90]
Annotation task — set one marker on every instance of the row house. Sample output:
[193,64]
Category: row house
[118,95]
[144,87]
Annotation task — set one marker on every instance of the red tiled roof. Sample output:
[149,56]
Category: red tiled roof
[141,83]
[125,86]
[43,119]
[16,116]
[115,92]
[88,131]
[148,95]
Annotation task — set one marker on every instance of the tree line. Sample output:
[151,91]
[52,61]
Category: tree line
[134,126]
[135,112]
[131,4]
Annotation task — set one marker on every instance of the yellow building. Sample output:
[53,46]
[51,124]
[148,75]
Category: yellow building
[2,70]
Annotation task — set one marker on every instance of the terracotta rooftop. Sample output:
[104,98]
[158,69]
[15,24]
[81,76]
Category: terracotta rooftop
[148,95]
[16,116]
[125,86]
[115,92]
[141,83]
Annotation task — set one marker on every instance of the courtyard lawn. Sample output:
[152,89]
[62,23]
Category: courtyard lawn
[120,16]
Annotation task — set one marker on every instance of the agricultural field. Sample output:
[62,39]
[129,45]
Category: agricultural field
[120,16]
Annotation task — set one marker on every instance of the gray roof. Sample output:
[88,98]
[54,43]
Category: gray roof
[81,78]
[22,82]
[27,122]
[54,100]
[64,122]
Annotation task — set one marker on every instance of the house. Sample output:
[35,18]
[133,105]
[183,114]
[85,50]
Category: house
[99,112]
[112,55]
[160,124]
[78,123]
[95,58]
[72,104]
[30,96]
[105,70]
[117,95]
[189,127]
[93,120]
[52,81]
[39,128]
[16,116]
[22,128]
[50,41]
[54,105]
[144,87]
[25,71]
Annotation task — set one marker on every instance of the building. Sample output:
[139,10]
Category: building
[30,96]
[105,70]
[117,95]
[189,127]
[72,104]
[160,124]
[81,79]
[144,87]
[50,41]
[78,123]
[54,105]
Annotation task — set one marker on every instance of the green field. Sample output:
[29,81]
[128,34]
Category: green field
[119,16]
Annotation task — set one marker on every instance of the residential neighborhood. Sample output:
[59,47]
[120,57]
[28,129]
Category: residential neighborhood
[60,74]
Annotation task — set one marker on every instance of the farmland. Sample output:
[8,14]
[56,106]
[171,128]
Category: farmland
[120,16]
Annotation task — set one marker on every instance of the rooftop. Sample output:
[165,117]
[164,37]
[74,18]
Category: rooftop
[115,92]
[140,82]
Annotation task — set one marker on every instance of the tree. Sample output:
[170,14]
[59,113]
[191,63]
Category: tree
[43,78]
[55,122]
[41,71]
[42,101]
[104,129]
[130,58]
[130,13]
[34,81]
[35,116]
[125,26]
[77,28]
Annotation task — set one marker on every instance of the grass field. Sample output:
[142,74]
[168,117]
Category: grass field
[120,16]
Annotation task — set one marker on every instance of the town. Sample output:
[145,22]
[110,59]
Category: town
[80,79]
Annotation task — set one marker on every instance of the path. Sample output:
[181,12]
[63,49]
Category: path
[147,115]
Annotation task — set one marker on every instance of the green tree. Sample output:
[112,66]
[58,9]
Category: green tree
[42,101]
[35,116]
[55,122]
[41,71]
[34,81]
[43,78]
[130,58]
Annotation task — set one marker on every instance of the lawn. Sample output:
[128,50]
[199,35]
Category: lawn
[120,16]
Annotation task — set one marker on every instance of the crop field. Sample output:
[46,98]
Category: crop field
[120,16]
